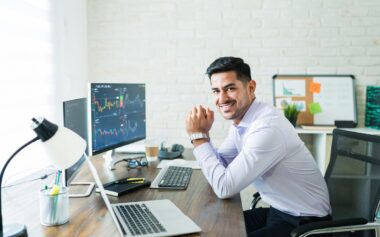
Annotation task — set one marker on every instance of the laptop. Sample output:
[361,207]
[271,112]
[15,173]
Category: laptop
[146,218]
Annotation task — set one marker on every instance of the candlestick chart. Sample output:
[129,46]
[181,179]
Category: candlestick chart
[117,114]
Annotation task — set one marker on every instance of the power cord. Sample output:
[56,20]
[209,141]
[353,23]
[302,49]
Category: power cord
[42,177]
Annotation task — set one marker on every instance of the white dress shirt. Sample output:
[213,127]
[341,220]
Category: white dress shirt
[264,150]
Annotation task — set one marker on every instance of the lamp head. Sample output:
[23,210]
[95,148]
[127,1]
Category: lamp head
[43,128]
[63,146]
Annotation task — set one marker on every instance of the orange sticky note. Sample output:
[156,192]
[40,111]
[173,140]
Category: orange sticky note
[315,87]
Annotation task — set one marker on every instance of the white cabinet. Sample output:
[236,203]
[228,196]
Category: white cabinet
[319,142]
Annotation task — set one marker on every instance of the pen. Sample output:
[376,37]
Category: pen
[135,182]
[127,180]
[55,189]
[135,179]
[58,178]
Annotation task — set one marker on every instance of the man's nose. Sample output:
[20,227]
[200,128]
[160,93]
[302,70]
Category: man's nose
[223,97]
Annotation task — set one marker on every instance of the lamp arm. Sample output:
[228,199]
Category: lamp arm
[2,174]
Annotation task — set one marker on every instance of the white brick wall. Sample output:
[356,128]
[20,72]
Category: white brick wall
[168,45]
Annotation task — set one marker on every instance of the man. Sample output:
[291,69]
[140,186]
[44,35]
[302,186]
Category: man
[263,149]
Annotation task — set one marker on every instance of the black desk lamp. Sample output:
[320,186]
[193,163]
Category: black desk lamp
[63,147]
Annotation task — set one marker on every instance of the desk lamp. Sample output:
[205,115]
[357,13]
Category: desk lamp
[63,147]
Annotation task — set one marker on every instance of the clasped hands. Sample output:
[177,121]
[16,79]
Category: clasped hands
[199,120]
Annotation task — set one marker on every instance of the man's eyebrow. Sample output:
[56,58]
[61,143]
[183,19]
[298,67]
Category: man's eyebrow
[224,87]
[229,85]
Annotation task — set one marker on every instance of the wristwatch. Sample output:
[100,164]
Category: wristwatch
[197,135]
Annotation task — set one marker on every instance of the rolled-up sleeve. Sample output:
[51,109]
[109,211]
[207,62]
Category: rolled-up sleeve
[262,149]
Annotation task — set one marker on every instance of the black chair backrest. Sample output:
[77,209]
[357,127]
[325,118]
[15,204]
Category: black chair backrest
[353,174]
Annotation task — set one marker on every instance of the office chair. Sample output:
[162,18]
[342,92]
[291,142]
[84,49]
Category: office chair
[353,180]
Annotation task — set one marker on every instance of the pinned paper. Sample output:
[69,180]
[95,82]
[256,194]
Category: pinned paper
[315,87]
[290,88]
[315,108]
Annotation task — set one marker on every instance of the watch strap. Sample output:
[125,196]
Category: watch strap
[197,135]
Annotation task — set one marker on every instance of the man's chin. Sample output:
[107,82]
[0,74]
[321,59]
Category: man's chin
[227,115]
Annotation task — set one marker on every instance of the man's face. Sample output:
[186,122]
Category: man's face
[231,96]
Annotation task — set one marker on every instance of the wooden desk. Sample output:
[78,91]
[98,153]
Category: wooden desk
[89,216]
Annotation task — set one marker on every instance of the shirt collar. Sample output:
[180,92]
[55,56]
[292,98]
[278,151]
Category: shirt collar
[248,116]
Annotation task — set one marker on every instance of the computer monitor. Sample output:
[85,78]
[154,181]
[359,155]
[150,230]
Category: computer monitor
[75,118]
[116,117]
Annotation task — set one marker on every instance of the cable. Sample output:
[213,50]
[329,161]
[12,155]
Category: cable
[44,176]
[31,172]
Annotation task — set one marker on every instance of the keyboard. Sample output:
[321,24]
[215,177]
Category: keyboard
[139,219]
[176,177]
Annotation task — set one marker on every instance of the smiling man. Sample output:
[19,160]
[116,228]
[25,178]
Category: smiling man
[262,149]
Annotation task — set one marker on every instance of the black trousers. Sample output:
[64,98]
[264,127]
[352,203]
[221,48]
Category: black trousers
[270,222]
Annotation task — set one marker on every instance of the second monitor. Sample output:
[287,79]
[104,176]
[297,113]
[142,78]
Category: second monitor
[75,118]
[117,116]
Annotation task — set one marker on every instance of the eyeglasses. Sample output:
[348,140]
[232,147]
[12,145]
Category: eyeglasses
[137,162]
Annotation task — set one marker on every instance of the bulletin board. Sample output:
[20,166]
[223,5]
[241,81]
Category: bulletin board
[322,99]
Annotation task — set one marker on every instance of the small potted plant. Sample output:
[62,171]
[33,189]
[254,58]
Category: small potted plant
[291,113]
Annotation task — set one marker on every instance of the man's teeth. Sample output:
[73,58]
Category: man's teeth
[225,106]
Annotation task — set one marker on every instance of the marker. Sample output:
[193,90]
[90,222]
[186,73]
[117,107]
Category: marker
[54,190]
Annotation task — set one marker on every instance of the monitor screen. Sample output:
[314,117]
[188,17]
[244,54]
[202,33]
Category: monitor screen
[75,118]
[117,115]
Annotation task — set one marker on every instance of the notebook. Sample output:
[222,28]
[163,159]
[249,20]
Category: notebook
[117,189]
[171,219]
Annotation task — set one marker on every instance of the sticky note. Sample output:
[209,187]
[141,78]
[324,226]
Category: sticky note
[315,108]
[315,87]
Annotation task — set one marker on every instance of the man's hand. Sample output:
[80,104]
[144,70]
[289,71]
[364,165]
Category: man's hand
[199,120]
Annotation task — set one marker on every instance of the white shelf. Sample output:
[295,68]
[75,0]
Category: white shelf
[313,131]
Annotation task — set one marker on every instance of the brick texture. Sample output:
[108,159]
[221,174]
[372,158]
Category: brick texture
[168,44]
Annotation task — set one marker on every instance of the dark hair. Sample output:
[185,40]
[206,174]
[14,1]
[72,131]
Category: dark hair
[225,64]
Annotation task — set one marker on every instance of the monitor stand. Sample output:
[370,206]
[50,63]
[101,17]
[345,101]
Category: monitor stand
[113,157]
[87,192]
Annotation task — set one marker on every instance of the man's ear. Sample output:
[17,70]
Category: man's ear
[252,86]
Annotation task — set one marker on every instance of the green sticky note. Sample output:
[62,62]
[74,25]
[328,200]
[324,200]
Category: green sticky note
[315,108]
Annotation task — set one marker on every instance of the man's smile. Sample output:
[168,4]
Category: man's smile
[226,106]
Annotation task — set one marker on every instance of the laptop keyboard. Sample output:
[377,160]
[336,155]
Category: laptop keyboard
[139,219]
[176,177]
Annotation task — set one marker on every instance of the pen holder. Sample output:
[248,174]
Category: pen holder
[54,209]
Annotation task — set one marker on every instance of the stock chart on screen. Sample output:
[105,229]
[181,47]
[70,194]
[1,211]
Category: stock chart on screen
[117,115]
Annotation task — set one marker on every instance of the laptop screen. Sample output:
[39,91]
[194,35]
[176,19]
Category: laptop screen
[103,194]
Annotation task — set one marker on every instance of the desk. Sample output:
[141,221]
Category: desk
[89,216]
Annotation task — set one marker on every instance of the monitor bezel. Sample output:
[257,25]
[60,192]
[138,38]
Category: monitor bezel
[89,121]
